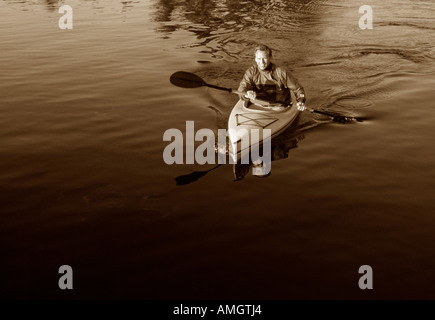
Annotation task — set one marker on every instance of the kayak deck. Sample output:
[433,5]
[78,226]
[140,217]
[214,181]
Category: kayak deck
[245,117]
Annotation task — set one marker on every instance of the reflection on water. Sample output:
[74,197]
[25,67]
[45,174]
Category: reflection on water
[280,148]
[226,28]
[53,5]
[195,175]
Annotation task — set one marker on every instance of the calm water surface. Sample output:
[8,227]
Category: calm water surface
[83,181]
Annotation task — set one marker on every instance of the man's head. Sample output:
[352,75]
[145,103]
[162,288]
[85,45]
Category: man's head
[263,55]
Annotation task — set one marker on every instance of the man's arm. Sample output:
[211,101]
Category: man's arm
[245,84]
[293,84]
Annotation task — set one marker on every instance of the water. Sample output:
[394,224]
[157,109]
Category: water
[83,181]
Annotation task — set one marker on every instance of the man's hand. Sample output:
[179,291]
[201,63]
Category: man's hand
[301,106]
[251,95]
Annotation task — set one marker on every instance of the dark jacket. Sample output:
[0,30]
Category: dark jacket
[272,84]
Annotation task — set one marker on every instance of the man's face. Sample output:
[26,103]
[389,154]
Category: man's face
[262,59]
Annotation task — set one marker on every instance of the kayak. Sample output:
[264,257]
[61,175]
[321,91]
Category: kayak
[247,116]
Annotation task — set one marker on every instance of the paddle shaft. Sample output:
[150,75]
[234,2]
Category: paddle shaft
[224,89]
[267,104]
[319,112]
[217,87]
[190,80]
[257,101]
[261,102]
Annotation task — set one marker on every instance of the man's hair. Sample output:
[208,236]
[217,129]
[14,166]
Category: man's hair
[265,48]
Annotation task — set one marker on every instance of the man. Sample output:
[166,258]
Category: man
[266,81]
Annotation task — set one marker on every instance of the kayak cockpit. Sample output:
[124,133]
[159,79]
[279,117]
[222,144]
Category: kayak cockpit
[272,107]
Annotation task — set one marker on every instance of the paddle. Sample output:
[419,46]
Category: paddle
[190,80]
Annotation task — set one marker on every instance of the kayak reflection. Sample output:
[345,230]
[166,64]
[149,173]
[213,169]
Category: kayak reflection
[281,147]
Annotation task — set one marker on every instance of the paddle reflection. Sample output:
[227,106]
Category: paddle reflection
[191,177]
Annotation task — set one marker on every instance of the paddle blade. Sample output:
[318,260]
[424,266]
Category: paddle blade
[334,116]
[344,119]
[186,80]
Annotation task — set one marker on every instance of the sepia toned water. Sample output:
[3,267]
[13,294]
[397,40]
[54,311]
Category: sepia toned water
[82,176]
